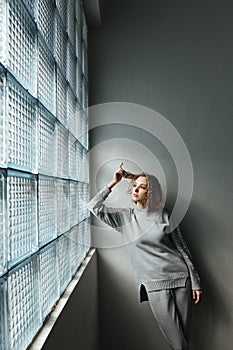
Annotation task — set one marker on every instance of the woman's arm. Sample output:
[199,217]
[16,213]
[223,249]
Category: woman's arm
[181,245]
[114,217]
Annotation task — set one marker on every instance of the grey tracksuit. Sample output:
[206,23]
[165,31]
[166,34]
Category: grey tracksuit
[161,262]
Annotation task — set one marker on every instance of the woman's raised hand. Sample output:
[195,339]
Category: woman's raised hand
[118,174]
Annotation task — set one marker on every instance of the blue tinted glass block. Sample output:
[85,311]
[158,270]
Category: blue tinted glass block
[71,111]
[62,151]
[21,111]
[24,314]
[31,6]
[78,121]
[46,76]
[82,126]
[84,61]
[61,97]
[81,240]
[62,191]
[79,152]
[79,13]
[21,56]
[72,158]
[60,43]
[3,121]
[79,83]
[74,249]
[87,236]
[2,31]
[71,14]
[80,207]
[47,210]
[49,280]
[22,216]
[64,267]
[3,251]
[84,23]
[62,9]
[84,94]
[71,66]
[45,21]
[46,142]
[73,203]
[3,316]
[85,198]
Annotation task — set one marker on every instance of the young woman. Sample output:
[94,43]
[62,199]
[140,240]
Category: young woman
[162,262]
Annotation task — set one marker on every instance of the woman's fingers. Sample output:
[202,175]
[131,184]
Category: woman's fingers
[197,295]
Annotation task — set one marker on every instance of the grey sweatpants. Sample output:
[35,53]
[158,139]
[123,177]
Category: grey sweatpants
[172,310]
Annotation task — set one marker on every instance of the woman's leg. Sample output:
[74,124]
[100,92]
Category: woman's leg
[172,309]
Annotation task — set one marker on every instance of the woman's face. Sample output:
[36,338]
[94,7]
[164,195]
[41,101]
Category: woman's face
[140,189]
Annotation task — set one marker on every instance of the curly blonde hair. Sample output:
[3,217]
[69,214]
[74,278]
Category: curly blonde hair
[155,195]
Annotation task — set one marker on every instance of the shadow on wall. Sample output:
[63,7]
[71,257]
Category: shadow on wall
[124,323]
[212,317]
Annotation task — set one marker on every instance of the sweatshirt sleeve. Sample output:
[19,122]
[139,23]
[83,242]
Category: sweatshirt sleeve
[114,217]
[181,245]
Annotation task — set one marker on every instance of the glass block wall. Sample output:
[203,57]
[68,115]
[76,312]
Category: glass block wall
[44,226]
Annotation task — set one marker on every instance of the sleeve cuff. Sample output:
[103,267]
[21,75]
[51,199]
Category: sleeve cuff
[105,192]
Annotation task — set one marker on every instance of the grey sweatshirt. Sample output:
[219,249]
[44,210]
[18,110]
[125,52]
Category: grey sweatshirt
[160,260]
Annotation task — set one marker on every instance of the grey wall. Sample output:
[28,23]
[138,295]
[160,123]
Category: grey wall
[176,58]
[77,325]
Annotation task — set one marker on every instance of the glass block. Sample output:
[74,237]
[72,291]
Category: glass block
[79,13]
[45,21]
[82,134]
[46,142]
[79,153]
[3,316]
[22,216]
[62,200]
[2,31]
[75,257]
[71,66]
[71,17]
[3,121]
[79,77]
[73,203]
[23,304]
[84,28]
[81,240]
[2,223]
[21,111]
[31,6]
[64,267]
[47,210]
[60,43]
[46,76]
[62,9]
[62,151]
[85,199]
[83,166]
[80,208]
[87,236]
[84,94]
[21,56]
[49,280]
[61,97]
[71,111]
[84,60]
[72,158]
